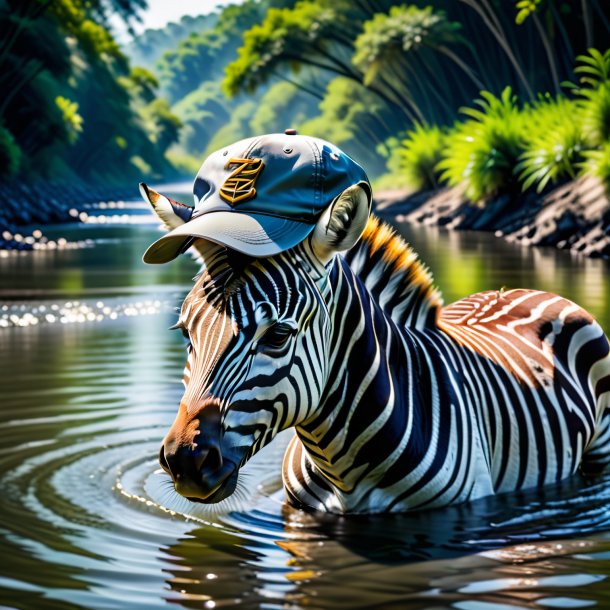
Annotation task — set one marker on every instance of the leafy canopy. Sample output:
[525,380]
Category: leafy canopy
[302,35]
[389,38]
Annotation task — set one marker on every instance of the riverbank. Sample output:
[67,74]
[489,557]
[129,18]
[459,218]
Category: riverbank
[574,216]
[26,210]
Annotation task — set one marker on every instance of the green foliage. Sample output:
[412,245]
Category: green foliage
[595,66]
[596,113]
[72,120]
[304,32]
[554,139]
[391,37]
[594,93]
[417,157]
[165,126]
[403,53]
[419,58]
[72,106]
[185,165]
[141,84]
[148,48]
[597,163]
[10,154]
[203,56]
[237,128]
[525,8]
[482,152]
[350,116]
[203,112]
[555,143]
[282,105]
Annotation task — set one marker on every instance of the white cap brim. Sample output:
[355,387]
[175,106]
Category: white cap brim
[256,235]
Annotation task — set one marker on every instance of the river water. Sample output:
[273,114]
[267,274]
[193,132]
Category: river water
[89,384]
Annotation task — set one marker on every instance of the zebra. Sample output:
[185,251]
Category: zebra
[398,403]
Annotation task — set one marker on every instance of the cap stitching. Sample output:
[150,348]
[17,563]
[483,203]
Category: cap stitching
[251,147]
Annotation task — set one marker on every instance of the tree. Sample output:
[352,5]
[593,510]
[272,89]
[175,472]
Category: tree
[353,118]
[72,105]
[400,50]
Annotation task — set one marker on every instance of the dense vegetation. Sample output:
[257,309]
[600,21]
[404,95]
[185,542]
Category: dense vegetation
[191,76]
[147,49]
[386,81]
[507,146]
[73,108]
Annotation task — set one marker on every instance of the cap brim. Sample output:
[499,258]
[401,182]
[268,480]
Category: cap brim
[256,235]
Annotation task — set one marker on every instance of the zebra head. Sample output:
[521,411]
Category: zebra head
[258,340]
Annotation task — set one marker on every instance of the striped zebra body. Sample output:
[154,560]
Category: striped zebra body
[398,403]
[494,393]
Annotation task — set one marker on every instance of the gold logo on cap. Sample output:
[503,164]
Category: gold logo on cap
[239,186]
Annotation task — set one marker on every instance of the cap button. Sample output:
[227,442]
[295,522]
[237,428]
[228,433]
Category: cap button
[290,131]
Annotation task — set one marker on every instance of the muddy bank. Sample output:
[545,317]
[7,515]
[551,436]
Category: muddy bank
[574,216]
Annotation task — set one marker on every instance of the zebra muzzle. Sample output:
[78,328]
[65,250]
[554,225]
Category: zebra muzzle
[208,460]
[191,454]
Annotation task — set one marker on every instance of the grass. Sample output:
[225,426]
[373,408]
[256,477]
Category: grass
[555,144]
[597,163]
[417,157]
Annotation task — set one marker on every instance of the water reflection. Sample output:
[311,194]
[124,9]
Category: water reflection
[464,262]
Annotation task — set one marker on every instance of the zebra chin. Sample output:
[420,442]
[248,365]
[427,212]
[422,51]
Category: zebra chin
[220,493]
[209,489]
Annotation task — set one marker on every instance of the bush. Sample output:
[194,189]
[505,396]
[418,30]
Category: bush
[596,114]
[594,91]
[10,153]
[597,163]
[417,157]
[482,153]
[555,144]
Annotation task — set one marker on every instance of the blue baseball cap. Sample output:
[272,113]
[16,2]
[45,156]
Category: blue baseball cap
[261,196]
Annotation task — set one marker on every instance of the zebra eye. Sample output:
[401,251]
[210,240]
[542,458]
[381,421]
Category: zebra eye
[277,336]
[185,334]
[187,337]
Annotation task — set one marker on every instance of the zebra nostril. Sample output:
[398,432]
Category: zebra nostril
[163,460]
[208,460]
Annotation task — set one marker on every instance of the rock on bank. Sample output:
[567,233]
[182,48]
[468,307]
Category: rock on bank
[574,216]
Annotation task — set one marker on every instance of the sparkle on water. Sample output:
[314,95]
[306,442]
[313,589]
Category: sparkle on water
[90,383]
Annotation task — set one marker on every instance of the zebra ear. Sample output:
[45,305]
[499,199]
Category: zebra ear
[342,223]
[171,213]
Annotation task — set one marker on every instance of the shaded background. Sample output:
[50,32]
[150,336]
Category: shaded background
[90,96]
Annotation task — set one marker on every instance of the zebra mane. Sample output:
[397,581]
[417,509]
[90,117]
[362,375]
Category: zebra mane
[392,272]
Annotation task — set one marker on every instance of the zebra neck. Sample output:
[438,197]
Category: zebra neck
[372,392]
[395,277]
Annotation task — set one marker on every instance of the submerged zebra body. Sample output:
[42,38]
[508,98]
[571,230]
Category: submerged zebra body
[398,403]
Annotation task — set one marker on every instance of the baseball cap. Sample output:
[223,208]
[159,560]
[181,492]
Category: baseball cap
[262,195]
